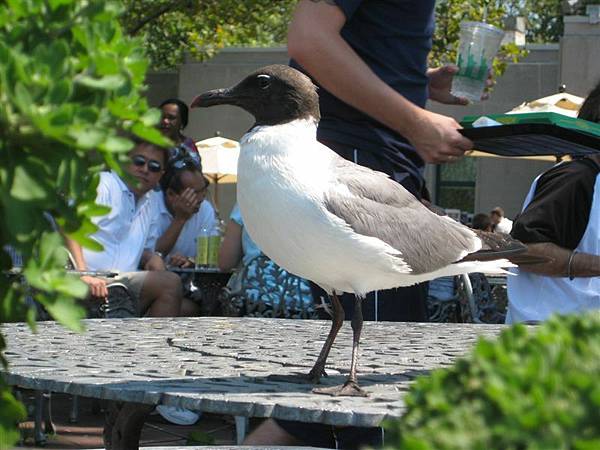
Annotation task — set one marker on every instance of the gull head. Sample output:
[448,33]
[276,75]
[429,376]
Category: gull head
[274,95]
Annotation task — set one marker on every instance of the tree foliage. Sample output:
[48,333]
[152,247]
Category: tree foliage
[69,81]
[170,28]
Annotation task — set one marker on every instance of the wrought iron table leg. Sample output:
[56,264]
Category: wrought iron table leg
[241,427]
[123,427]
[39,434]
[74,413]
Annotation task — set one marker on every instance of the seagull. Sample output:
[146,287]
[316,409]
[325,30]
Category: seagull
[343,226]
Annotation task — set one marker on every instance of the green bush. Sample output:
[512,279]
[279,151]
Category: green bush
[70,81]
[534,388]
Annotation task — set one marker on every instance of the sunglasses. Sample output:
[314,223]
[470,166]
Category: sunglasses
[183,163]
[153,165]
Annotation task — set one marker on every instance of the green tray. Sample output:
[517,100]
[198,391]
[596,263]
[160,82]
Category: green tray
[534,134]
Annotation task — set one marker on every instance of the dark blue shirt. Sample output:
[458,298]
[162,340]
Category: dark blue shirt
[393,37]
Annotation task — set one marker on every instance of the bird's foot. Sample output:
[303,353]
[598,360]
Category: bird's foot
[348,389]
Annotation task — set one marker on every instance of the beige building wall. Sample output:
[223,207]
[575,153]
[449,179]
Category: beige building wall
[580,54]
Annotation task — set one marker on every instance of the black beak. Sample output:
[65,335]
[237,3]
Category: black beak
[214,97]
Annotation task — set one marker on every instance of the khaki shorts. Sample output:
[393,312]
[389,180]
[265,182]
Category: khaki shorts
[123,300]
[134,281]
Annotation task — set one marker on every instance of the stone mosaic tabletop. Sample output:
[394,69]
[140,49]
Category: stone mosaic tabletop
[237,366]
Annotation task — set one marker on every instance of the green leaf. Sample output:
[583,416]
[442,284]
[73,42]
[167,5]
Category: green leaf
[60,92]
[11,412]
[66,311]
[91,209]
[116,144]
[109,82]
[55,4]
[87,137]
[107,65]
[70,285]
[197,437]
[82,235]
[51,251]
[149,134]
[121,107]
[29,184]
[151,117]
[25,219]
[23,98]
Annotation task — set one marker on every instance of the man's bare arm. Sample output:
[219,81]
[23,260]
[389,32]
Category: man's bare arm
[96,285]
[314,41]
[582,264]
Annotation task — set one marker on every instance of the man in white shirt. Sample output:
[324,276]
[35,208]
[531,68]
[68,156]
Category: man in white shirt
[182,216]
[500,223]
[124,233]
[183,213]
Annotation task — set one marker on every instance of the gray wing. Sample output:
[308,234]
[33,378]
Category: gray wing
[374,205]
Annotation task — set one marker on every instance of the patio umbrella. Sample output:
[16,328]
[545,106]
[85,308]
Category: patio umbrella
[219,161]
[562,103]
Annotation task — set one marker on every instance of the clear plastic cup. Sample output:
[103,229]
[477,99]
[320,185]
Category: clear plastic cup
[478,44]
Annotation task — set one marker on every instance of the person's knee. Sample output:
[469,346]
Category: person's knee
[164,284]
[270,433]
[161,294]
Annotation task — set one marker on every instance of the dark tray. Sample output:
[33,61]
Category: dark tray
[533,139]
[534,134]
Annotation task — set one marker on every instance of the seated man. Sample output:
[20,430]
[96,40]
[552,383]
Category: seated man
[560,220]
[123,233]
[182,216]
[183,213]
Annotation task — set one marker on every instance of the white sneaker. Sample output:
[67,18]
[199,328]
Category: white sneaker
[178,416]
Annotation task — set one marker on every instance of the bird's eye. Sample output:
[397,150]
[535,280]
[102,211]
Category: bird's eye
[264,81]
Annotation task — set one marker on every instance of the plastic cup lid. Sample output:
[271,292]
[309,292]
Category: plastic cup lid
[483,25]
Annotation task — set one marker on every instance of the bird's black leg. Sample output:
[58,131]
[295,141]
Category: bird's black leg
[337,320]
[350,388]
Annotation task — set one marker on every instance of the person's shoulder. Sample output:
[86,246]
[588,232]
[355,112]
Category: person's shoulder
[578,171]
[156,200]
[236,214]
[112,180]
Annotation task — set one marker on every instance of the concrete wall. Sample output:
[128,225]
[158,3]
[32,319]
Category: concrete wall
[161,86]
[580,55]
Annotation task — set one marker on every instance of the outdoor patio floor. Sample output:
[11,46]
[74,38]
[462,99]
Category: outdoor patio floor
[87,432]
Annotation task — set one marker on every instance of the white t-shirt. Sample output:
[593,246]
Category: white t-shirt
[536,297]
[186,242]
[504,226]
[124,231]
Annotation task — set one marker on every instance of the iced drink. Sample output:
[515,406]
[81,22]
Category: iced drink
[202,243]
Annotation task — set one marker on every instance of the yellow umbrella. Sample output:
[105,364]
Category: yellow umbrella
[219,160]
[563,103]
[478,153]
